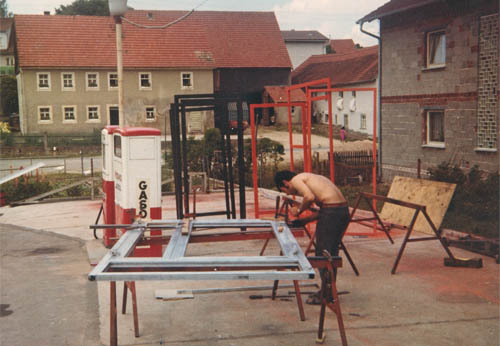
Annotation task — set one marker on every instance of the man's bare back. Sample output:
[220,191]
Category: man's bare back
[323,190]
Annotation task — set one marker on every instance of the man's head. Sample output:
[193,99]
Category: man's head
[282,179]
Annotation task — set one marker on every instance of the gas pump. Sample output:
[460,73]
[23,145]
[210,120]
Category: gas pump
[108,185]
[137,179]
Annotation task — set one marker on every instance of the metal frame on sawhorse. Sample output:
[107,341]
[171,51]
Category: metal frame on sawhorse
[369,197]
[116,265]
[282,210]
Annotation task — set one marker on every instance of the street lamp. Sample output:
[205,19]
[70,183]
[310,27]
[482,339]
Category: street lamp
[117,8]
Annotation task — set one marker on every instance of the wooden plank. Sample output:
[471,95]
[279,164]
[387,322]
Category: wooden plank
[435,196]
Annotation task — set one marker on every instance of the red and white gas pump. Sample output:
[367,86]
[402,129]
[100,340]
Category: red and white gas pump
[137,179]
[108,185]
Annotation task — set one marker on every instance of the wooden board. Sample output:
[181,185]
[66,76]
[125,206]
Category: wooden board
[435,195]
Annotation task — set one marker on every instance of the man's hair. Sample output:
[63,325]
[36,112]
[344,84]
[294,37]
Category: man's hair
[283,175]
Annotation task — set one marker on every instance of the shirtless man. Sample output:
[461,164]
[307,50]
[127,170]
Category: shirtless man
[333,214]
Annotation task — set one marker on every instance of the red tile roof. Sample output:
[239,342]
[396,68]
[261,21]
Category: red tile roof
[202,40]
[342,46]
[393,7]
[360,66]
[279,94]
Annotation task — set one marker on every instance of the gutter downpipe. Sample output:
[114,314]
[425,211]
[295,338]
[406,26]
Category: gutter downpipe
[379,92]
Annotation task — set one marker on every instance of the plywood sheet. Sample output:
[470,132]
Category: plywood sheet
[435,195]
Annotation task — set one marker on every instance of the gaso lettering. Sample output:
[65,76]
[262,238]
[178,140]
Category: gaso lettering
[143,199]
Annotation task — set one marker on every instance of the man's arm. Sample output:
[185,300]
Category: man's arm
[307,196]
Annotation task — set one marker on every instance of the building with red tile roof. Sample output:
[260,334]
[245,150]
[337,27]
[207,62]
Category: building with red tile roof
[279,94]
[356,69]
[63,60]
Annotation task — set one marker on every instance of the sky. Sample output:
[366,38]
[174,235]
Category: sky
[335,19]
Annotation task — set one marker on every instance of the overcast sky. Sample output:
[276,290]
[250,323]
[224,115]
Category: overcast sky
[335,19]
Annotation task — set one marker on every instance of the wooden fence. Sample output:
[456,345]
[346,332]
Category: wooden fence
[352,167]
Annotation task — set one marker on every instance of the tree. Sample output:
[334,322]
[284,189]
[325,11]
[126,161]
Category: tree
[8,90]
[4,9]
[85,8]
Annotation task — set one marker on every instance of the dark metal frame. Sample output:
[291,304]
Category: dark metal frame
[218,104]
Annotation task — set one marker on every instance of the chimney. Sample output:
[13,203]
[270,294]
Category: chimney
[46,13]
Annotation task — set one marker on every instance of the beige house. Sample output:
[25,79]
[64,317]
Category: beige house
[66,68]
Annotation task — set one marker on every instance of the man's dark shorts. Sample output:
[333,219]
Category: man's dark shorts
[332,223]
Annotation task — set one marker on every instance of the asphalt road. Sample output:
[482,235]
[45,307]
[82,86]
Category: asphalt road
[45,297]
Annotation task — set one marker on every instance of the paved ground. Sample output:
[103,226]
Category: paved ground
[425,303]
[45,298]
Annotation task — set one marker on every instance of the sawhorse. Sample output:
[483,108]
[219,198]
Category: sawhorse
[418,209]
[326,265]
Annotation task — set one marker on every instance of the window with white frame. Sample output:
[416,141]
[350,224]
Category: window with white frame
[336,119]
[362,124]
[93,113]
[346,121]
[150,113]
[67,81]
[10,61]
[187,80]
[434,127]
[436,48]
[145,80]
[112,80]
[43,81]
[45,114]
[69,114]
[92,80]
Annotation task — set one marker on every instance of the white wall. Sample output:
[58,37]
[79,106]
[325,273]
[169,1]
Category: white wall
[363,105]
[300,51]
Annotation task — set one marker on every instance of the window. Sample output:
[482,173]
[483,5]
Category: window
[186,80]
[112,80]
[69,114]
[43,81]
[336,119]
[150,113]
[93,113]
[434,127]
[145,80]
[117,141]
[362,125]
[353,93]
[436,49]
[341,94]
[346,121]
[67,81]
[44,114]
[10,61]
[92,81]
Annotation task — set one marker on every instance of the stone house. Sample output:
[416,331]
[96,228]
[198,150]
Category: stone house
[66,66]
[356,69]
[301,44]
[439,84]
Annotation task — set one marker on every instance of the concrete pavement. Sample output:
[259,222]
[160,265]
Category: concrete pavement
[424,303]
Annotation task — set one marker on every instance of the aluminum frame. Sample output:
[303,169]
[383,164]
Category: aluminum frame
[116,265]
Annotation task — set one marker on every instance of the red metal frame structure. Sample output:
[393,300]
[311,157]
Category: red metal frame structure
[306,123]
[254,143]
[328,92]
